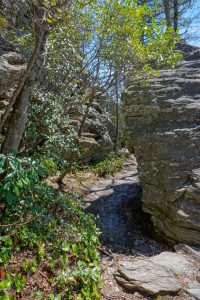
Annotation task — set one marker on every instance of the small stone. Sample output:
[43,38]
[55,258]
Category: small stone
[115,289]
[136,294]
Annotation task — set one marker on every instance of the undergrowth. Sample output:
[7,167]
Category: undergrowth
[109,166]
[48,245]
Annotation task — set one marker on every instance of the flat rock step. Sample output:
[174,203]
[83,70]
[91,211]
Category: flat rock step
[163,274]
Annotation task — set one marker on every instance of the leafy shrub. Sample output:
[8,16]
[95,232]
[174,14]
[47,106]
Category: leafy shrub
[109,166]
[48,131]
[18,177]
[44,230]
[50,166]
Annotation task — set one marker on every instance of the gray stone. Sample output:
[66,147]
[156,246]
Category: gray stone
[195,293]
[11,67]
[96,142]
[175,262]
[147,277]
[163,123]
[162,274]
[124,152]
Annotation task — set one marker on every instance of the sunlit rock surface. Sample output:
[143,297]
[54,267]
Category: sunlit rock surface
[163,123]
[162,274]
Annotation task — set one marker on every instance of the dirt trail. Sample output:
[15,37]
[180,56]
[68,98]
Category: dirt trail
[117,203]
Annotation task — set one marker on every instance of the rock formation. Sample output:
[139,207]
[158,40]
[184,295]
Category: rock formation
[11,67]
[163,123]
[163,274]
[96,142]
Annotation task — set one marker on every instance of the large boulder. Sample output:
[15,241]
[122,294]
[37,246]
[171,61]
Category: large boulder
[147,277]
[163,121]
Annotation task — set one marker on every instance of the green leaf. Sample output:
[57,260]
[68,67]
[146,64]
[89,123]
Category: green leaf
[16,190]
[10,198]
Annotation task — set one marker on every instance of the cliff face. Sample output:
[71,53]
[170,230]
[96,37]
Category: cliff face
[163,122]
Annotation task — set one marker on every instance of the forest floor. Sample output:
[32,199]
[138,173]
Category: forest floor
[56,255]
[115,201]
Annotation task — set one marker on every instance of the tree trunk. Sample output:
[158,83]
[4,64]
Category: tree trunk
[20,109]
[175,2]
[18,119]
[117,120]
[167,12]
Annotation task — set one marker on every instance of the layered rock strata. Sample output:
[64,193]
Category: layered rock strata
[163,123]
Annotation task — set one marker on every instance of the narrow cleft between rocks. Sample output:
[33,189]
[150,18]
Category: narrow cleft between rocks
[134,265]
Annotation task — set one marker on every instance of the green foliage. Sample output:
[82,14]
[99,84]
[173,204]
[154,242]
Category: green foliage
[18,178]
[50,166]
[54,230]
[133,39]
[5,285]
[2,21]
[19,282]
[29,266]
[49,131]
[109,166]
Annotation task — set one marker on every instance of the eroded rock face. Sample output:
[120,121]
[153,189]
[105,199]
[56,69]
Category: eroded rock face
[163,122]
[96,142]
[11,67]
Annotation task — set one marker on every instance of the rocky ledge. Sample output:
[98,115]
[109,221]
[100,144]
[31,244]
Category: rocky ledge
[163,274]
[163,123]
